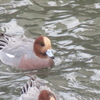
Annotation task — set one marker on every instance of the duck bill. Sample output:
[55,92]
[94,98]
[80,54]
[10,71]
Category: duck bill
[50,54]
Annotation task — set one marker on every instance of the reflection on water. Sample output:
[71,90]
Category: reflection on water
[74,29]
[12,28]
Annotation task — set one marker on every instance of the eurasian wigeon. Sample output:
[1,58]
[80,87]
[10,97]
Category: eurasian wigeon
[35,89]
[25,53]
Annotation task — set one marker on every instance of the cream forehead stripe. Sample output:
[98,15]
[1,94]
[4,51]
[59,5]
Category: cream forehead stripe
[46,40]
[52,98]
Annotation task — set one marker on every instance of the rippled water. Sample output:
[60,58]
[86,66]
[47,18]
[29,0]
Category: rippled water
[74,29]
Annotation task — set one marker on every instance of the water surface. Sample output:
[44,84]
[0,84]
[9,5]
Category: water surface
[74,29]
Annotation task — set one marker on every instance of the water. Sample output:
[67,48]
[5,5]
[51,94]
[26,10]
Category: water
[74,29]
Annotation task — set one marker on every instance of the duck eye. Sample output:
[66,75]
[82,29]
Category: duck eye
[42,44]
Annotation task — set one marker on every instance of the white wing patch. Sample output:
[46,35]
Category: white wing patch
[9,55]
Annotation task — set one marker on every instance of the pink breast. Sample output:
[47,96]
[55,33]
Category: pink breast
[31,64]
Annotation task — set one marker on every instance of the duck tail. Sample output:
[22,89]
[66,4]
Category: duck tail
[3,40]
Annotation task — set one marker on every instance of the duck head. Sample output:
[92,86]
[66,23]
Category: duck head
[42,47]
[46,95]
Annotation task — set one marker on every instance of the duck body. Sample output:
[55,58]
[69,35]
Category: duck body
[22,53]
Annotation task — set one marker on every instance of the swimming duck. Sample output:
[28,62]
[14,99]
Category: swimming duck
[26,54]
[35,89]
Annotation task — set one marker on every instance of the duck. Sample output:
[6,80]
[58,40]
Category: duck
[35,89]
[25,53]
